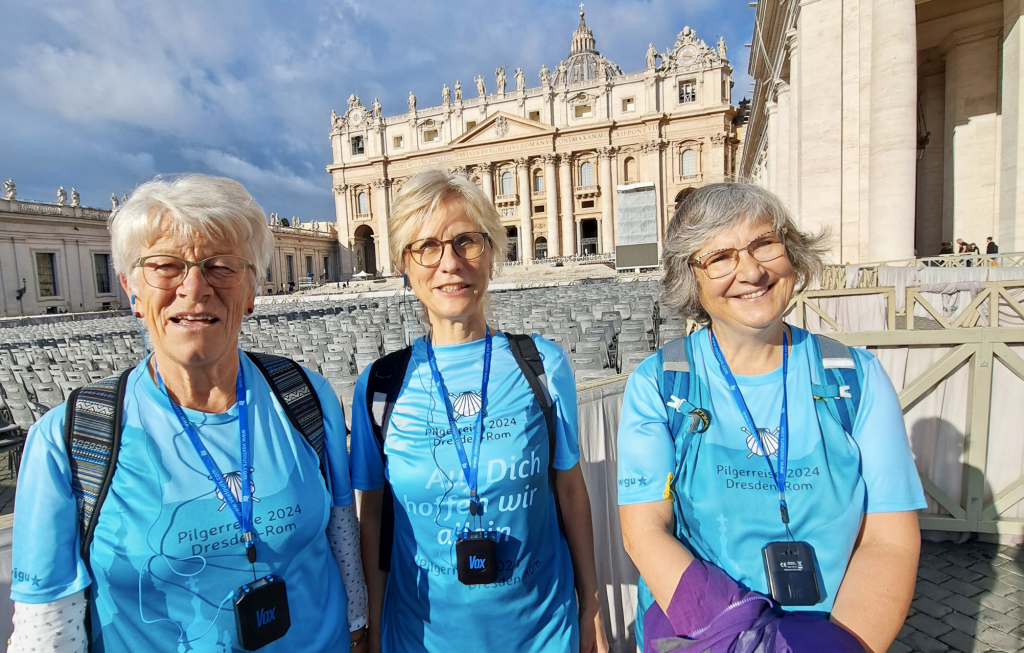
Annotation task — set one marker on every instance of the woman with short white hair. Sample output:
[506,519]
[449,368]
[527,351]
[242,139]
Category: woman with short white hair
[761,466]
[200,501]
[464,545]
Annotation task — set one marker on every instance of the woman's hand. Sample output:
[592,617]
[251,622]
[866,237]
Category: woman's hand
[592,635]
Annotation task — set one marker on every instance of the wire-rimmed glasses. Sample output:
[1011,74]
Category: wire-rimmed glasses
[722,262]
[167,272]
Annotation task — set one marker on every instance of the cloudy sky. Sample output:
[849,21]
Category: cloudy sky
[104,94]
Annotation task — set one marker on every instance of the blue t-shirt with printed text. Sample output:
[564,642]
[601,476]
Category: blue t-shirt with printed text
[532,607]
[729,499]
[166,549]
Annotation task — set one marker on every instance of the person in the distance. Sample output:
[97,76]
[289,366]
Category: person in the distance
[733,258]
[492,482]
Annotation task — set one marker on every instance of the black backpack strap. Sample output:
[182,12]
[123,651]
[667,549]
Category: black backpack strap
[383,386]
[92,439]
[524,350]
[297,396]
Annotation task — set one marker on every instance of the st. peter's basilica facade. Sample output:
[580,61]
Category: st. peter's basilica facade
[591,161]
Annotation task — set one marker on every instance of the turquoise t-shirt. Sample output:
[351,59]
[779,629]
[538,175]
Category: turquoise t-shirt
[729,499]
[166,550]
[532,607]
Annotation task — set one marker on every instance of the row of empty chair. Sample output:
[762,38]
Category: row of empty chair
[605,327]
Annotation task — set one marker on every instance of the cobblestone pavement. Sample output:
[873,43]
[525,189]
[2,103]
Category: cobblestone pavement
[969,597]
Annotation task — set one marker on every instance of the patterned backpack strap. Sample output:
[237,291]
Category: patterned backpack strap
[838,381]
[296,395]
[92,438]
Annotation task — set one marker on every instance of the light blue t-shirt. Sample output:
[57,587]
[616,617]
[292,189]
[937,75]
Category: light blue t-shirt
[532,607]
[729,499]
[166,549]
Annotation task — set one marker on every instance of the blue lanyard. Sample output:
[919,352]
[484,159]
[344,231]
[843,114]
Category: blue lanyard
[242,513]
[783,450]
[469,471]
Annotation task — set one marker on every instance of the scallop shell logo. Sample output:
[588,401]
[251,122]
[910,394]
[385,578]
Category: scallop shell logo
[770,439]
[466,404]
[234,481]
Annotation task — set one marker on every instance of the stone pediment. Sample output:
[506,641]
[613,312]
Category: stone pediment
[503,126]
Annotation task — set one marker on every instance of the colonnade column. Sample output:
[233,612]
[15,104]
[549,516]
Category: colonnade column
[565,194]
[486,171]
[551,187]
[380,188]
[607,155]
[342,229]
[525,209]
[893,155]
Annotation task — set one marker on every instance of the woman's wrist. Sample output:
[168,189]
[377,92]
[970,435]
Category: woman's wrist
[358,637]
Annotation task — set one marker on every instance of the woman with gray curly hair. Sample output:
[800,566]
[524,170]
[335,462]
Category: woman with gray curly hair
[766,485]
[121,537]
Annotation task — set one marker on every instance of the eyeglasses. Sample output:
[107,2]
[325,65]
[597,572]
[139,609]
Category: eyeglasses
[722,262]
[429,251]
[167,272]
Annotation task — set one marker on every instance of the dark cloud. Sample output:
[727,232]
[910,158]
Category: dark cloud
[103,94]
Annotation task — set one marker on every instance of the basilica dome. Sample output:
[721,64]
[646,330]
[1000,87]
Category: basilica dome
[585,62]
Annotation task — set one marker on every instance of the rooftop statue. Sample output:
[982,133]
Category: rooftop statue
[113,202]
[562,74]
[520,80]
[446,94]
[458,91]
[481,88]
[75,199]
[721,47]
[652,57]
[499,74]
[412,103]
[544,75]
[376,108]
[62,196]
[10,190]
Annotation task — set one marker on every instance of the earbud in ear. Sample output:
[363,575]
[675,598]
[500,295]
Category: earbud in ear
[250,310]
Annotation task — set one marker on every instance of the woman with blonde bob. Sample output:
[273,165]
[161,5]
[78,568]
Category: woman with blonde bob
[812,547]
[216,497]
[461,539]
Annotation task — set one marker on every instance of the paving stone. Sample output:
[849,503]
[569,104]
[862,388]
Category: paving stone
[929,607]
[962,604]
[963,642]
[960,558]
[1000,640]
[984,568]
[900,647]
[921,643]
[997,587]
[1012,579]
[933,548]
[932,591]
[958,586]
[928,625]
[963,623]
[963,573]
[933,575]
[998,603]
[998,620]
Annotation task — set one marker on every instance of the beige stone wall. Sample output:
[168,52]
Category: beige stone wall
[73,235]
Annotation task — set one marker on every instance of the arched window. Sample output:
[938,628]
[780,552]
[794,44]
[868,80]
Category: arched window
[362,203]
[507,184]
[538,182]
[587,174]
[629,170]
[540,247]
[688,163]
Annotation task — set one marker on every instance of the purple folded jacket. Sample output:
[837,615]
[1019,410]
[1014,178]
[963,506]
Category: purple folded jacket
[711,613]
